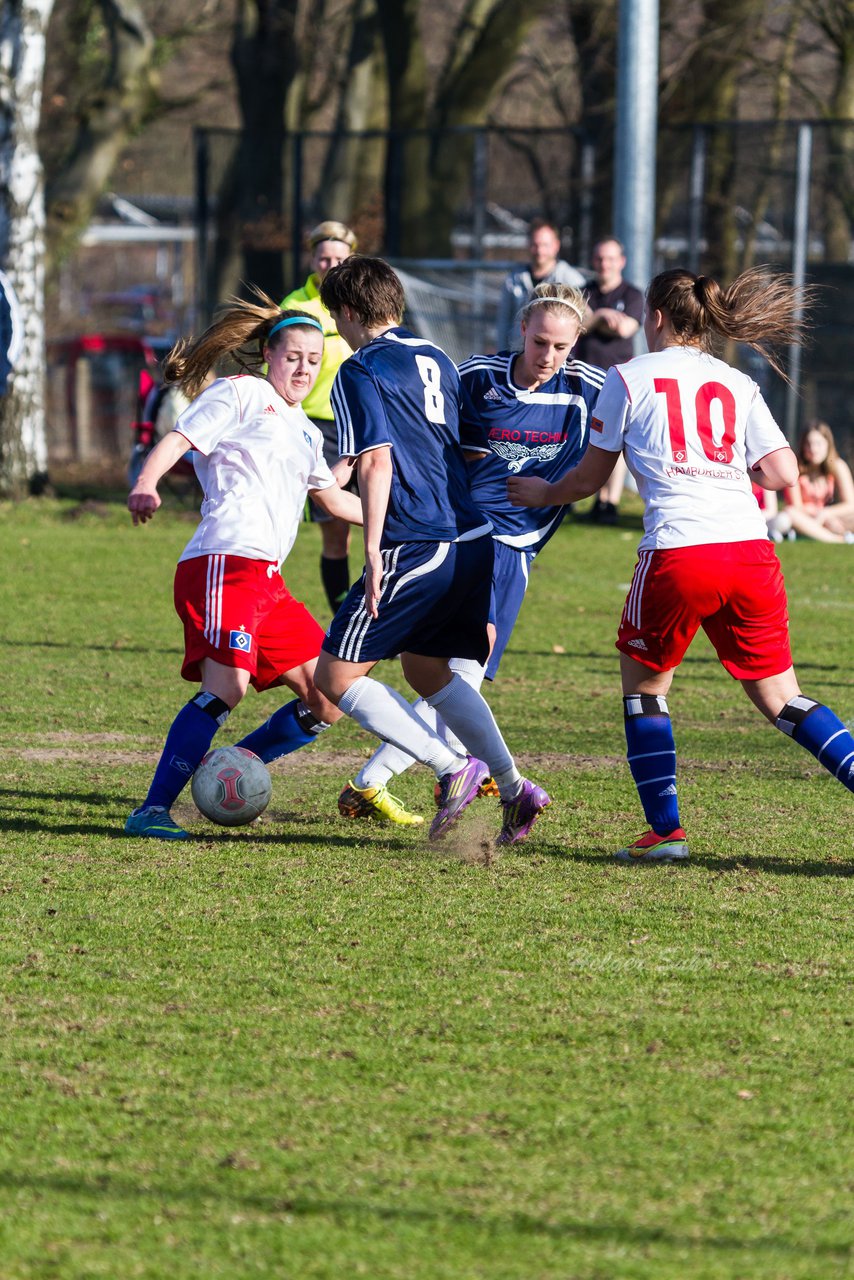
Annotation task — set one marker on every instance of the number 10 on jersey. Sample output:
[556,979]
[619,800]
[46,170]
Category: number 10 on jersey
[707,395]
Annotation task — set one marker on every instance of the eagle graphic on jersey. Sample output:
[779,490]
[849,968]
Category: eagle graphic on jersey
[516,454]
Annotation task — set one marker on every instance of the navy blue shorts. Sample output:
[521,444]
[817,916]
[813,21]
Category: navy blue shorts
[434,601]
[509,584]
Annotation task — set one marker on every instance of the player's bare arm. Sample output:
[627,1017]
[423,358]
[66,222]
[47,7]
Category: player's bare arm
[585,479]
[777,470]
[345,506]
[343,471]
[375,473]
[143,499]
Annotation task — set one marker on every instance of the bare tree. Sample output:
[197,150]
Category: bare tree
[429,166]
[23,450]
[115,101]
[834,18]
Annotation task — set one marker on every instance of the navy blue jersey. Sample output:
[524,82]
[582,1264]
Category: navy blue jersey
[537,433]
[404,392]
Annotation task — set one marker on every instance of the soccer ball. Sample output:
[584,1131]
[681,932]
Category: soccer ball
[231,786]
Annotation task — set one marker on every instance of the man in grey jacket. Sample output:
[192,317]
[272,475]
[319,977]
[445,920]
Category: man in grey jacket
[545,266]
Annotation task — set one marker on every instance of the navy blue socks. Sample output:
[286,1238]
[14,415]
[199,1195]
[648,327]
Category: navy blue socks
[816,728]
[187,742]
[652,759]
[291,727]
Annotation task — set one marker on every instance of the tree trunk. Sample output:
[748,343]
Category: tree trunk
[485,46]
[706,91]
[114,112]
[839,224]
[265,63]
[407,197]
[23,449]
[351,184]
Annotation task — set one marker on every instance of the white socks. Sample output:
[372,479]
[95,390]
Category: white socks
[386,713]
[388,761]
[464,709]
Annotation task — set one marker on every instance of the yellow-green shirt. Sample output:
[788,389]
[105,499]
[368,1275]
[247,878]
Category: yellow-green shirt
[335,349]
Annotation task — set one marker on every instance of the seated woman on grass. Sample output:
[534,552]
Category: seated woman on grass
[821,504]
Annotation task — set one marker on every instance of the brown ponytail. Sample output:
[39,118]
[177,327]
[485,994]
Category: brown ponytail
[759,308]
[241,331]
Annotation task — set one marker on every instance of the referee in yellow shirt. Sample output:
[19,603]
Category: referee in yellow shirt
[330,243]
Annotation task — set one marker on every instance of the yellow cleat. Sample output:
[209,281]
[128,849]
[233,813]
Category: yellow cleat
[375,802]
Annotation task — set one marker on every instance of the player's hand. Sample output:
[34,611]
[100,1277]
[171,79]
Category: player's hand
[142,504]
[373,581]
[528,491]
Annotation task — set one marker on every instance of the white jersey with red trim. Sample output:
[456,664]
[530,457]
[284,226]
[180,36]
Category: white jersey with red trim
[256,457]
[691,427]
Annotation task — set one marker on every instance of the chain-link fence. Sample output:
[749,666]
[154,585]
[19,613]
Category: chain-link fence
[452,209]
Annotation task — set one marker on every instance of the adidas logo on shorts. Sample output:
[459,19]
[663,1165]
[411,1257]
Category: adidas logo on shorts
[637,644]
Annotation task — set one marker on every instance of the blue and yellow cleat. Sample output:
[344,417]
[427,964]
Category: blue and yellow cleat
[155,823]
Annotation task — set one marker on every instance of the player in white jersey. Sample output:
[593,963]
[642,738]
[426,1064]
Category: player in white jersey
[695,431]
[533,407]
[257,457]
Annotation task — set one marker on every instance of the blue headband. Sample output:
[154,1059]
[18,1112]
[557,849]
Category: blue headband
[280,324]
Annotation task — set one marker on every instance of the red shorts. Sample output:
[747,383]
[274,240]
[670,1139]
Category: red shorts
[733,590]
[240,613]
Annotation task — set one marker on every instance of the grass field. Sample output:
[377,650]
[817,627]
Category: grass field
[313,1048]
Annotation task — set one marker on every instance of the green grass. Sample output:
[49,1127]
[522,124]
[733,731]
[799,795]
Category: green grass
[319,1049]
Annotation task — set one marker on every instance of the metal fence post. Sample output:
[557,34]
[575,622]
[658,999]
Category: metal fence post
[479,189]
[697,189]
[800,246]
[201,300]
[585,216]
[637,118]
[296,208]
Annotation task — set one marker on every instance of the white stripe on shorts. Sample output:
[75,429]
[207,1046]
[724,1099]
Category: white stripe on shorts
[357,629]
[213,599]
[634,600]
[440,556]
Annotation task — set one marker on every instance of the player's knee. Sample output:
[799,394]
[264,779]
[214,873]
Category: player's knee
[320,706]
[327,681]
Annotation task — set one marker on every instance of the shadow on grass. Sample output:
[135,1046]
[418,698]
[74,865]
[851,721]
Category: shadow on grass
[610,658]
[110,1186]
[769,864]
[68,646]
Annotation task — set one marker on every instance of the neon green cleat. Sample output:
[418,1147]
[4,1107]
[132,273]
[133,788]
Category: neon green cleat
[155,823]
[375,802]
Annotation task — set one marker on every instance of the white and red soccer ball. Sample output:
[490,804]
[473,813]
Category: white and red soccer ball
[231,786]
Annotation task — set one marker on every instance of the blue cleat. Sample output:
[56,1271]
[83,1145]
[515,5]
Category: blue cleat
[156,823]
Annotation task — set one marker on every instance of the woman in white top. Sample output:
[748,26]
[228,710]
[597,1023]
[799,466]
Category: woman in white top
[695,431]
[257,456]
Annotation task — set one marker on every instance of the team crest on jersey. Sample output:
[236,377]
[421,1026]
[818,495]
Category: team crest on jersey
[516,455]
[241,640]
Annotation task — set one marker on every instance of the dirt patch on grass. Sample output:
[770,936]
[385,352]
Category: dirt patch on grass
[118,749]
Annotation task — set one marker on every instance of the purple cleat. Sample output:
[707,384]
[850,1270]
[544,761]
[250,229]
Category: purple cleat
[455,792]
[521,814]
